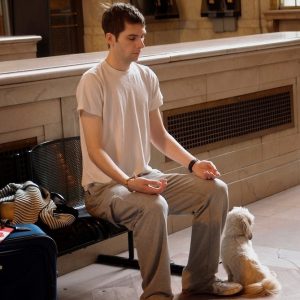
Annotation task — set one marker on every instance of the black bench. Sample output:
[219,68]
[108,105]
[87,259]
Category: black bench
[57,165]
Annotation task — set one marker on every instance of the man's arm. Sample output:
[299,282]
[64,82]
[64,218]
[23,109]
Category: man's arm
[92,128]
[166,144]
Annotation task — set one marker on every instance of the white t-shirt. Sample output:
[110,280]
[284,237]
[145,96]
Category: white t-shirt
[123,99]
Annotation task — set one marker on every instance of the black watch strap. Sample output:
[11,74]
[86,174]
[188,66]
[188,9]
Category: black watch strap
[191,164]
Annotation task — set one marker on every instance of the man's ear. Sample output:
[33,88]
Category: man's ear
[110,39]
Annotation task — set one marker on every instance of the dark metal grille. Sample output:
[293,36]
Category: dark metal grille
[207,125]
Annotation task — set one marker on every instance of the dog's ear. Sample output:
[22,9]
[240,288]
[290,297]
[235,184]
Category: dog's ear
[247,228]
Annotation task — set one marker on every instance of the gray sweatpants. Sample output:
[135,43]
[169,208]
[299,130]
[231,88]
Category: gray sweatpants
[146,216]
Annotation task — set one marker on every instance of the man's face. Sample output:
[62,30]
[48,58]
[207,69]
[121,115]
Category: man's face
[129,44]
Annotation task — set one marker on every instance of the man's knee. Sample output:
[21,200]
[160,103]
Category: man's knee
[154,214]
[215,192]
[220,193]
[157,205]
[221,188]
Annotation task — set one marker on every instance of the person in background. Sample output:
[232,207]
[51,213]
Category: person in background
[119,110]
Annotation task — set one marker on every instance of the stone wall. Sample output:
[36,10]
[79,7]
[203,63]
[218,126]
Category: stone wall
[18,47]
[189,27]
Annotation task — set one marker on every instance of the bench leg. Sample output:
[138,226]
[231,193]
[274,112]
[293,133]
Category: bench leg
[131,262]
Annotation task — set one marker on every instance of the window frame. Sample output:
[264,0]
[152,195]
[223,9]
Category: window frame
[285,6]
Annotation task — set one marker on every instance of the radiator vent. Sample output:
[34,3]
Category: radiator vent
[213,124]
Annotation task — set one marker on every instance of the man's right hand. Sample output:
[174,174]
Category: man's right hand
[147,186]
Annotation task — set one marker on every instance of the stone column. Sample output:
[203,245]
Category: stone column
[93,34]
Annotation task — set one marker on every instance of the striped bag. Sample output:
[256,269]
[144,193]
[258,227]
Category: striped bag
[31,203]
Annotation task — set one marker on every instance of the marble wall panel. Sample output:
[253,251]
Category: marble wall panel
[37,91]
[218,83]
[298,172]
[235,147]
[279,134]
[270,182]
[86,256]
[23,133]
[19,47]
[230,177]
[53,131]
[19,117]
[16,51]
[278,71]
[288,143]
[235,194]
[239,159]
[270,149]
[70,121]
[217,64]
[183,88]
[182,102]
[266,165]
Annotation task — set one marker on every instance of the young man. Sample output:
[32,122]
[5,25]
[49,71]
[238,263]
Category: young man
[118,102]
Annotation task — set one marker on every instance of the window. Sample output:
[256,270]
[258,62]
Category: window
[289,3]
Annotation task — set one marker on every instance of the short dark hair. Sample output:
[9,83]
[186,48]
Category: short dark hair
[115,16]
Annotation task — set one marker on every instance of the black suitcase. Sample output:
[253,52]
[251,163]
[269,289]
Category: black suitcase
[28,265]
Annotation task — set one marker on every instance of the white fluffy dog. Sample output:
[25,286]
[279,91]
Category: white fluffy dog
[239,258]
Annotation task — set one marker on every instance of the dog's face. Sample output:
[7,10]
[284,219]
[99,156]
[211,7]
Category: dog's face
[239,223]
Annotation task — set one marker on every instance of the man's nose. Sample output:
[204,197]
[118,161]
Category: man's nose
[141,43]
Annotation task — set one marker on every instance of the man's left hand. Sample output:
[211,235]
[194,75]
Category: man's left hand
[205,169]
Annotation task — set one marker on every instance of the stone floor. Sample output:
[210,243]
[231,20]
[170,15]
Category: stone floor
[276,241]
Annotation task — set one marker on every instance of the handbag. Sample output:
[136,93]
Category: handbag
[29,203]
